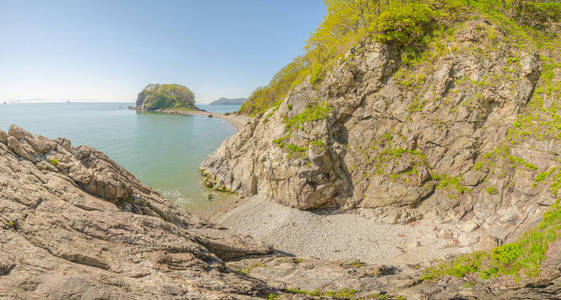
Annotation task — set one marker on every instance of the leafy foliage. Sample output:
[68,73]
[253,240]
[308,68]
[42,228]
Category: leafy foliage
[523,257]
[166,96]
[402,24]
[347,23]
[265,97]
[311,113]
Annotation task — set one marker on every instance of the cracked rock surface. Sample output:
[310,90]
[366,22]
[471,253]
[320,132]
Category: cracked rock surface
[75,225]
[401,144]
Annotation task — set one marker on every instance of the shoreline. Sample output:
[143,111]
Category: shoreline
[238,121]
[333,236]
[325,236]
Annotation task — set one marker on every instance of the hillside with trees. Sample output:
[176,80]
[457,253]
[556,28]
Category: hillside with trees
[165,96]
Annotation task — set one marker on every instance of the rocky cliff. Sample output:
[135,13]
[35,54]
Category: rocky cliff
[468,132]
[75,225]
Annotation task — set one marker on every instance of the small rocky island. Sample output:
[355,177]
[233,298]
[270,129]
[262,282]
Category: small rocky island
[178,100]
[165,96]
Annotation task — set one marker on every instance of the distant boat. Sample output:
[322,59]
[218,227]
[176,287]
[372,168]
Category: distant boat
[5,102]
[68,101]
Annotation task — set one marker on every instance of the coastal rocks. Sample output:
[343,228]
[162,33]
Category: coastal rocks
[440,140]
[73,222]
[58,240]
[314,279]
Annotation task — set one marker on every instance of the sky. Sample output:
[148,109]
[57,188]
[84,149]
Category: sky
[108,50]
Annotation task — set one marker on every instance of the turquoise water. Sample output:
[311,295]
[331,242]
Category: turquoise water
[163,151]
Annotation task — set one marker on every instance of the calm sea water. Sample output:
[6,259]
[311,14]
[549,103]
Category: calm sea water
[163,151]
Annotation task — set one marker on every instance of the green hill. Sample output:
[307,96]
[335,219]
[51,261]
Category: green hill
[165,96]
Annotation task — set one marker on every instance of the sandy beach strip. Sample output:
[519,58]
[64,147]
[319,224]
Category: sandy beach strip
[238,121]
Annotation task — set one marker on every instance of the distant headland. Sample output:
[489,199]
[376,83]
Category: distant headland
[228,101]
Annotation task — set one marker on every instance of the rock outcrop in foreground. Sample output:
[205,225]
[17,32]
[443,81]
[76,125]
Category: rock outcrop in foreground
[75,225]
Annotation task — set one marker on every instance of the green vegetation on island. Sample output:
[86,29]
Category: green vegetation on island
[165,96]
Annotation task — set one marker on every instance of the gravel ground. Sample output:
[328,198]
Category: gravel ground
[335,236]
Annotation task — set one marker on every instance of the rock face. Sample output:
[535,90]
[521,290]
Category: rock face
[75,225]
[438,139]
[165,96]
[352,280]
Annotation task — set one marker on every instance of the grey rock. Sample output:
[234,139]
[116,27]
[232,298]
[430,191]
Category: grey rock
[3,137]
[386,141]
[95,231]
[18,132]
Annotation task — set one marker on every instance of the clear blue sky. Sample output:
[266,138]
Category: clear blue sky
[110,49]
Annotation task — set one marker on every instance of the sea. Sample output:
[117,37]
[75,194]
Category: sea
[163,151]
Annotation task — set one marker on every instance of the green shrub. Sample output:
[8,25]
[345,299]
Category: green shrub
[339,294]
[403,23]
[54,161]
[311,113]
[537,13]
[295,148]
[478,165]
[166,96]
[316,73]
[523,257]
[447,182]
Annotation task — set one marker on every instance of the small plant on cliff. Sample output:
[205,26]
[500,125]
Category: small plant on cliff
[129,200]
[339,294]
[54,161]
[357,264]
[521,258]
[492,190]
[311,113]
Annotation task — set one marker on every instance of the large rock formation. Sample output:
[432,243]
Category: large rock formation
[75,225]
[165,96]
[444,138]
